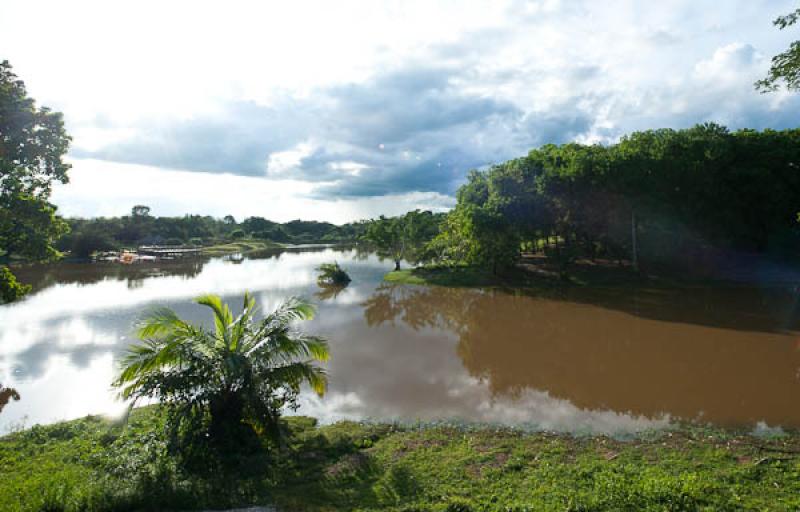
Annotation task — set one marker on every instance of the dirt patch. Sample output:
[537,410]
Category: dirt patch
[351,463]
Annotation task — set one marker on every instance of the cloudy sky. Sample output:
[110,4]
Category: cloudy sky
[344,110]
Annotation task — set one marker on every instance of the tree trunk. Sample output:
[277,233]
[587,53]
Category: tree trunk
[634,242]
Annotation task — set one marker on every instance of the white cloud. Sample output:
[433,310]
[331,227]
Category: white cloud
[283,162]
[107,189]
[348,167]
[314,90]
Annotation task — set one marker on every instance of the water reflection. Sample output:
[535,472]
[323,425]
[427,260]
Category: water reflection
[329,291]
[578,359]
[597,359]
[6,395]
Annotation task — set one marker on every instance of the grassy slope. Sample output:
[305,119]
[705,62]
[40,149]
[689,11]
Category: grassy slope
[93,465]
[242,246]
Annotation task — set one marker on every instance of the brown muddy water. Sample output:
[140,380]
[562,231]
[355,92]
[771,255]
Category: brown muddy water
[580,359]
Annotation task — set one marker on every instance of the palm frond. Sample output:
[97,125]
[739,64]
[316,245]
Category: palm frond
[297,373]
[242,324]
[158,322]
[260,365]
[222,314]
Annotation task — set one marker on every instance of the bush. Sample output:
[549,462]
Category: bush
[331,274]
[237,234]
[221,388]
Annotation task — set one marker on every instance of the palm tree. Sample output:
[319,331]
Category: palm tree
[234,379]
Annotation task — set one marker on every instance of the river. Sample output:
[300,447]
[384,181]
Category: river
[583,359]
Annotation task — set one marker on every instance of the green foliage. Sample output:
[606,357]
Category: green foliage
[686,195]
[84,243]
[140,211]
[785,66]
[32,148]
[10,288]
[331,274]
[405,237]
[227,384]
[93,465]
[141,228]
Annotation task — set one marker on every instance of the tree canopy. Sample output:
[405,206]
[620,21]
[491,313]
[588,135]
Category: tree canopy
[404,237]
[785,68]
[141,227]
[33,143]
[665,196]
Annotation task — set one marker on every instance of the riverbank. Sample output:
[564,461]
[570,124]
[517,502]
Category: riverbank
[95,464]
[538,273]
[243,247]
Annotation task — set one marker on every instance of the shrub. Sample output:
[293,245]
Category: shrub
[331,274]
[221,387]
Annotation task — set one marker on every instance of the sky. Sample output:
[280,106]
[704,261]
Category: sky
[345,110]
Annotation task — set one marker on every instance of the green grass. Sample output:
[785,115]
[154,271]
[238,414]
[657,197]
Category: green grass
[92,464]
[241,246]
[444,276]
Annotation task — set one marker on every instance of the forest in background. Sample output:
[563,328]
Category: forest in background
[87,236]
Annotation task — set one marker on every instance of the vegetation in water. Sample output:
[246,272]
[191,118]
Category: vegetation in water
[331,274]
[224,387]
[99,465]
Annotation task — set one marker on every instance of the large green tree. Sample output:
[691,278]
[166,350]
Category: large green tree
[677,198]
[785,67]
[33,143]
[404,237]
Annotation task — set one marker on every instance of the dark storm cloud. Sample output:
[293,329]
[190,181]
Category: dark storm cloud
[236,140]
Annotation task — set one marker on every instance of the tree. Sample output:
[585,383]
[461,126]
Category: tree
[256,224]
[419,228]
[228,383]
[404,237]
[478,235]
[33,143]
[386,234]
[786,65]
[140,211]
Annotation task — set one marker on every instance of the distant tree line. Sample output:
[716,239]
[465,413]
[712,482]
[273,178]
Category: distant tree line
[656,197]
[141,228]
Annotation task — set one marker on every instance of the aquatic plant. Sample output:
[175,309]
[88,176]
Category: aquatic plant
[331,274]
